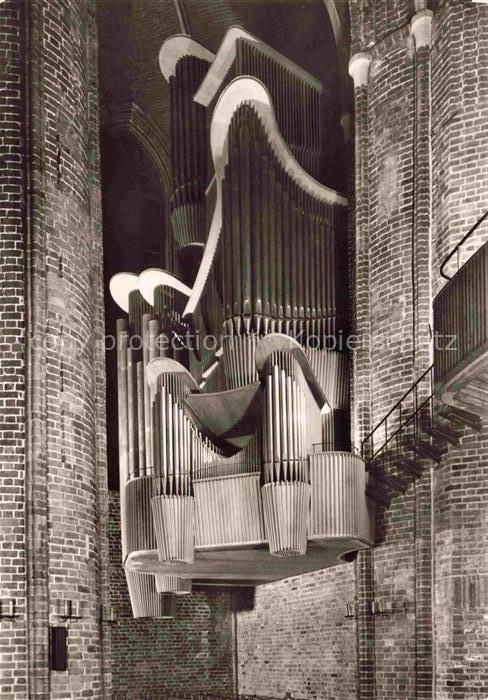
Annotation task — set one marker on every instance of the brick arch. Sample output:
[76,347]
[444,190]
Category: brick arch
[155,140]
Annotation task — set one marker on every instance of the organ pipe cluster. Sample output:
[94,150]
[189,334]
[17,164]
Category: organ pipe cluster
[227,469]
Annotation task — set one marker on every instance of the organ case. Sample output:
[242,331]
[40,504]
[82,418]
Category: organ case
[235,462]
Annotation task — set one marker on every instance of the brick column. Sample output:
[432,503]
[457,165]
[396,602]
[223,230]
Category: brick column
[54,496]
[361,400]
[460,163]
[36,314]
[420,28]
[361,364]
[12,342]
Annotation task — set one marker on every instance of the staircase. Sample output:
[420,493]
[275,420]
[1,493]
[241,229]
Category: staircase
[452,394]
[416,431]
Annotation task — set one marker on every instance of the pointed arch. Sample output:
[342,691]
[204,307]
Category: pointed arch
[154,139]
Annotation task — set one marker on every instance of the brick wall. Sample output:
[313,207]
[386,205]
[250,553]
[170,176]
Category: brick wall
[459,139]
[53,252]
[192,652]
[459,197]
[371,22]
[394,288]
[69,471]
[390,191]
[418,545]
[461,565]
[297,639]
[13,651]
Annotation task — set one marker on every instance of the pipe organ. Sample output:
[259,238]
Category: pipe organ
[235,459]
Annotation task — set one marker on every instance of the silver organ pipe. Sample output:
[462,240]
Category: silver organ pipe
[272,284]
[153,339]
[291,283]
[286,488]
[302,111]
[138,308]
[145,599]
[172,503]
[189,152]
[136,345]
[122,341]
[147,398]
[132,415]
[141,428]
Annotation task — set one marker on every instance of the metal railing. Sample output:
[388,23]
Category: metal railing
[461,316]
[414,410]
[456,251]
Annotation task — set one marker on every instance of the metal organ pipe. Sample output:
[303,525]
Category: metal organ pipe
[141,418]
[172,503]
[298,238]
[122,342]
[154,326]
[189,151]
[132,415]
[147,399]
[265,210]
[296,97]
[275,262]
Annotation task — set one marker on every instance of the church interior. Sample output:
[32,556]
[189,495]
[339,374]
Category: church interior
[244,337]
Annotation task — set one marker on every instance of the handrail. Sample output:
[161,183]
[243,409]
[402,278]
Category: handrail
[403,422]
[460,243]
[461,322]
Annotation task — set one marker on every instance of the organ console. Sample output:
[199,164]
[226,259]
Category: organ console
[235,458]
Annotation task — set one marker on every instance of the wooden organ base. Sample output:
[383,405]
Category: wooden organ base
[249,566]
[235,538]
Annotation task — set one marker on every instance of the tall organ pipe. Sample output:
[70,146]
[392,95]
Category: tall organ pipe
[189,152]
[132,415]
[140,418]
[281,245]
[297,97]
[122,342]
[147,399]
[172,502]
[286,488]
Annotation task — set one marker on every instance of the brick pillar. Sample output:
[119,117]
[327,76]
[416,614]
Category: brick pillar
[459,84]
[361,400]
[37,621]
[55,496]
[420,28]
[12,344]
[361,365]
